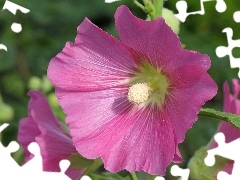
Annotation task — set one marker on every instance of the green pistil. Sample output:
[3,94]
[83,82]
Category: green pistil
[156,80]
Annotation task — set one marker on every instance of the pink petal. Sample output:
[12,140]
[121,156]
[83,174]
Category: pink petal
[89,111]
[195,83]
[190,88]
[155,41]
[232,105]
[53,141]
[148,144]
[236,88]
[231,132]
[137,139]
[29,127]
[228,168]
[95,61]
[231,102]
[227,98]
[42,127]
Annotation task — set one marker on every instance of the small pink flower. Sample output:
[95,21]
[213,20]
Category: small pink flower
[43,127]
[231,104]
[130,101]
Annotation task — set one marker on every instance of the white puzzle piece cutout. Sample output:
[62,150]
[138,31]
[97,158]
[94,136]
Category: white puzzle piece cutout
[177,172]
[15,27]
[182,9]
[222,51]
[10,169]
[228,150]
[236,16]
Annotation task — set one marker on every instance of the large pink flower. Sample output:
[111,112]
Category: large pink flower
[41,126]
[131,101]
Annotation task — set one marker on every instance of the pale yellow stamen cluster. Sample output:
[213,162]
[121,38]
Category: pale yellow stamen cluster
[139,93]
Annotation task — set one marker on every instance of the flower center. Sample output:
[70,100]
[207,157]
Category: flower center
[139,93]
[148,84]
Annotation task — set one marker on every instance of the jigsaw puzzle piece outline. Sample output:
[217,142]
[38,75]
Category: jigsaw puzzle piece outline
[227,150]
[182,6]
[222,51]
[177,171]
[33,169]
[236,16]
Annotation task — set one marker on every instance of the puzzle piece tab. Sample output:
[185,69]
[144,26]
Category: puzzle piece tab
[222,51]
[236,16]
[182,9]
[228,150]
[10,169]
[177,172]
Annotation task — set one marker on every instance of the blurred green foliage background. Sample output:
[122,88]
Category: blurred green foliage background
[50,24]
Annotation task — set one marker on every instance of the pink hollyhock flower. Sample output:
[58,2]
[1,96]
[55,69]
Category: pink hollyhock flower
[41,126]
[231,104]
[130,101]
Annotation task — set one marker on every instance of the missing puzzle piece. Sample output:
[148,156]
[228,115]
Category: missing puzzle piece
[236,16]
[222,51]
[10,169]
[182,9]
[33,169]
[177,172]
[227,150]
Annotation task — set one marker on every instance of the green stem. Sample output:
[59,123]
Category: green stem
[222,116]
[211,113]
[154,8]
[158,6]
[151,7]
[96,164]
[134,176]
[139,5]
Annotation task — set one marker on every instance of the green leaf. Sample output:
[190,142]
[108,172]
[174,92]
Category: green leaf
[144,176]
[198,169]
[95,165]
[222,116]
[77,161]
